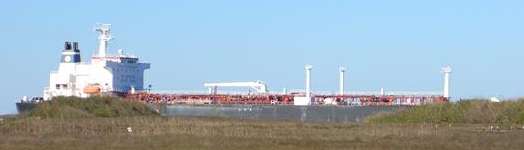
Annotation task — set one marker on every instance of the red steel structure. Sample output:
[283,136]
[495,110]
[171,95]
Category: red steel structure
[287,99]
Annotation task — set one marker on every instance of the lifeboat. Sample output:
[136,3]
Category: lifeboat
[92,89]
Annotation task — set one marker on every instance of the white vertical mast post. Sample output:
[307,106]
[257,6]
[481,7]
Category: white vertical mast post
[103,38]
[447,71]
[308,80]
[341,70]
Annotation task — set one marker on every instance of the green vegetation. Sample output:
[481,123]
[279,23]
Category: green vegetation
[102,123]
[73,107]
[470,111]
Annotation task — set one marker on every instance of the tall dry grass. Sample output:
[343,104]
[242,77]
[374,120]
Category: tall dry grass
[213,133]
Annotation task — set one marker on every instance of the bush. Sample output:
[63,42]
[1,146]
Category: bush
[466,111]
[74,107]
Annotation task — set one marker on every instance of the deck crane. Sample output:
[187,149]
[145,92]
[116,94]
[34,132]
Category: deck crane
[258,86]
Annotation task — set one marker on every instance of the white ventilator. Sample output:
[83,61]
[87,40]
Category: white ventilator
[341,70]
[447,71]
[307,98]
[308,80]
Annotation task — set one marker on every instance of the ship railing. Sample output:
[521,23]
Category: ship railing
[413,93]
[197,92]
[356,93]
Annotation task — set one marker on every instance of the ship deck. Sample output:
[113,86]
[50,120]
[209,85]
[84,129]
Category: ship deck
[287,99]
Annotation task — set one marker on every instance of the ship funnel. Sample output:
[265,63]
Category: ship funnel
[75,46]
[67,56]
[67,45]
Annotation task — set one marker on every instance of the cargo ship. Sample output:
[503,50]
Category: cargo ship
[122,75]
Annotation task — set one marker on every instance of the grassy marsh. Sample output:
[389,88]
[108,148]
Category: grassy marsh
[45,131]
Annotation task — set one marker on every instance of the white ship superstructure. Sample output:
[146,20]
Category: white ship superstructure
[105,73]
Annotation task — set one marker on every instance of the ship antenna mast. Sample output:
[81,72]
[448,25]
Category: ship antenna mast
[103,38]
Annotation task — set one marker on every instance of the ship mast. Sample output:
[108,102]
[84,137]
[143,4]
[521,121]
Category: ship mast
[103,38]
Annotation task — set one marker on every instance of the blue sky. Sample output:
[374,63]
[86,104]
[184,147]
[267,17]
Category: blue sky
[397,45]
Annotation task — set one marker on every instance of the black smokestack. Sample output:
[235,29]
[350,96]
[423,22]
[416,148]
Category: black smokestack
[67,45]
[75,46]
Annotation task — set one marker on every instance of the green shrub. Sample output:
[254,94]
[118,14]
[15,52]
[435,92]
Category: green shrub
[74,107]
[466,111]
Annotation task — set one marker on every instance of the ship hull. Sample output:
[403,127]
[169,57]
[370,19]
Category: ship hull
[24,107]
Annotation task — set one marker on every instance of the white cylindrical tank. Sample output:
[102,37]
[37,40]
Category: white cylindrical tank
[447,71]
